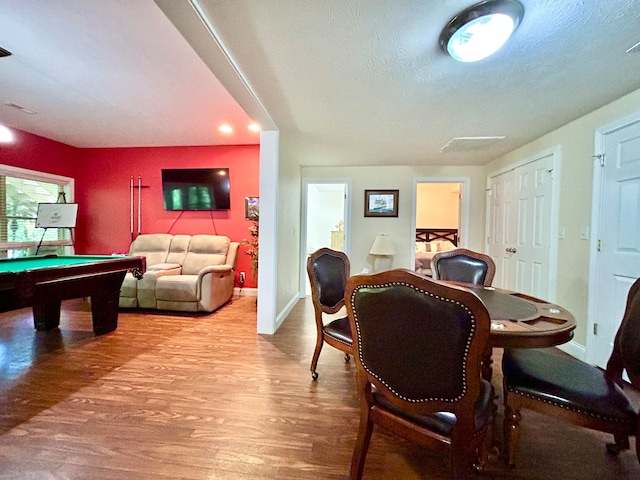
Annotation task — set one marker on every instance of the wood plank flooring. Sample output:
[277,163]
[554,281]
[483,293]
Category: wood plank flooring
[184,397]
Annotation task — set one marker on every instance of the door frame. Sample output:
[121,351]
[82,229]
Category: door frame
[303,226]
[596,213]
[554,229]
[463,219]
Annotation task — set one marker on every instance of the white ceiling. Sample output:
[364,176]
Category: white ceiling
[345,81]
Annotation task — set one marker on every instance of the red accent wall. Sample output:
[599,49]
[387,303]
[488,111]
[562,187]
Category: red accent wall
[41,154]
[102,178]
[105,201]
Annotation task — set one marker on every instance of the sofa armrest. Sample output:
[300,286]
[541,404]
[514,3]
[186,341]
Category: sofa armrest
[215,269]
[215,286]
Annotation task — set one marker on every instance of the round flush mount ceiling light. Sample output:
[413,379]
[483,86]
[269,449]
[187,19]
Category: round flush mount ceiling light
[480,30]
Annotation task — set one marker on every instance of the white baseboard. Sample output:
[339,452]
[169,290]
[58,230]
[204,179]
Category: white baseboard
[245,292]
[574,349]
[281,317]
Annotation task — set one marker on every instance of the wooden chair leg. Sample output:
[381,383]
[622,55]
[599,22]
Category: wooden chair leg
[316,355]
[512,419]
[488,452]
[462,462]
[362,446]
[487,364]
[621,442]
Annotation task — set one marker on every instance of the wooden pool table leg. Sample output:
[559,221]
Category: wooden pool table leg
[46,316]
[104,309]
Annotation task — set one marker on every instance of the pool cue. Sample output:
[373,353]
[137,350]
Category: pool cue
[131,201]
[139,197]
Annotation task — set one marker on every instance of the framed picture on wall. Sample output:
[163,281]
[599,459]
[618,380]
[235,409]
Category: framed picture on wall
[381,203]
[252,208]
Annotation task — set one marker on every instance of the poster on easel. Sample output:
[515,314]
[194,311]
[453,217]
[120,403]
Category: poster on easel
[57,215]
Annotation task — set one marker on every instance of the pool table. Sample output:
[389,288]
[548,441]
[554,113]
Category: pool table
[42,282]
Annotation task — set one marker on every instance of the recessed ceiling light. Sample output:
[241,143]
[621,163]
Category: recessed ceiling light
[481,30]
[6,135]
[225,129]
[254,127]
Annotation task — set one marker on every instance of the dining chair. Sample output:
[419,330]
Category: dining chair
[418,346]
[462,265]
[553,383]
[328,272]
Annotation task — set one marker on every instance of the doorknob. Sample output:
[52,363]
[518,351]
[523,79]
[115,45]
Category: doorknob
[510,250]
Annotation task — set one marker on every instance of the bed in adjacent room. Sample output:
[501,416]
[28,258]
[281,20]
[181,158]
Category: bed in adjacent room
[430,241]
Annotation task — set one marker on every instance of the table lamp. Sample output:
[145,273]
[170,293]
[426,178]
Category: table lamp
[382,249]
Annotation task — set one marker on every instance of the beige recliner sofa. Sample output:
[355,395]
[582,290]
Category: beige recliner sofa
[187,273]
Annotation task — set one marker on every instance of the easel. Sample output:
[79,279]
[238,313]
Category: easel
[61,195]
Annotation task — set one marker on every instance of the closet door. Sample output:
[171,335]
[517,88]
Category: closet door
[519,236]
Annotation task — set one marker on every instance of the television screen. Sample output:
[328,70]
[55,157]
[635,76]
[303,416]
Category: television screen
[196,189]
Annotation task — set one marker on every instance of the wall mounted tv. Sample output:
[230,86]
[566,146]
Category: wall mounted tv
[196,189]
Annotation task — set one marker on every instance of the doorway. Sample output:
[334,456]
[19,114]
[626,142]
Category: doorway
[325,221]
[440,204]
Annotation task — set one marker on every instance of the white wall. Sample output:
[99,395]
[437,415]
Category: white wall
[576,141]
[400,229]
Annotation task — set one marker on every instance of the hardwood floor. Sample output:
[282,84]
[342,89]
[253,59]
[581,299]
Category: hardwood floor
[182,397]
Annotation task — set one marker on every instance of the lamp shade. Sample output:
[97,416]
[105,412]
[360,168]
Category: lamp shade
[382,245]
[481,30]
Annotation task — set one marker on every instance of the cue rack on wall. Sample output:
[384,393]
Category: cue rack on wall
[133,197]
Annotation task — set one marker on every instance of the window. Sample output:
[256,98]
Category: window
[20,193]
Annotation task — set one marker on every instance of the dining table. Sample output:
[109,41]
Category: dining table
[521,321]
[518,321]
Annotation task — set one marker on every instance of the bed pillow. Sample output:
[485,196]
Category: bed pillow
[442,246]
[422,247]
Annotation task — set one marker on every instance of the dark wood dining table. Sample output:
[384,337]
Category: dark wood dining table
[522,321]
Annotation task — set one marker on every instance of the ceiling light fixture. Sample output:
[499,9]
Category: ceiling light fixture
[225,129]
[254,127]
[481,30]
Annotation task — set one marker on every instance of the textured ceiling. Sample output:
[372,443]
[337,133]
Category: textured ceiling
[345,81]
[109,74]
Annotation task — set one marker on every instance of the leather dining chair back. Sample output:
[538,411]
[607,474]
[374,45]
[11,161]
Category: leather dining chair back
[551,382]
[418,345]
[328,272]
[462,265]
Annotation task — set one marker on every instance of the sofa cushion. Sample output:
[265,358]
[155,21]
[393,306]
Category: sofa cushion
[178,249]
[154,247]
[204,251]
[129,286]
[177,288]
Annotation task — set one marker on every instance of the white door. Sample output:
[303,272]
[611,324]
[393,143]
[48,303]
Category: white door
[519,240]
[618,260]
[500,233]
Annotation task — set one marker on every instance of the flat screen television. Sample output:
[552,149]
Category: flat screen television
[196,189]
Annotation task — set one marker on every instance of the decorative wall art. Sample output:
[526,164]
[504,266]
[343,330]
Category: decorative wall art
[381,203]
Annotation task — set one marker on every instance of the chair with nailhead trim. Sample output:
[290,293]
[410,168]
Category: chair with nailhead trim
[328,271]
[462,265]
[553,383]
[418,345]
